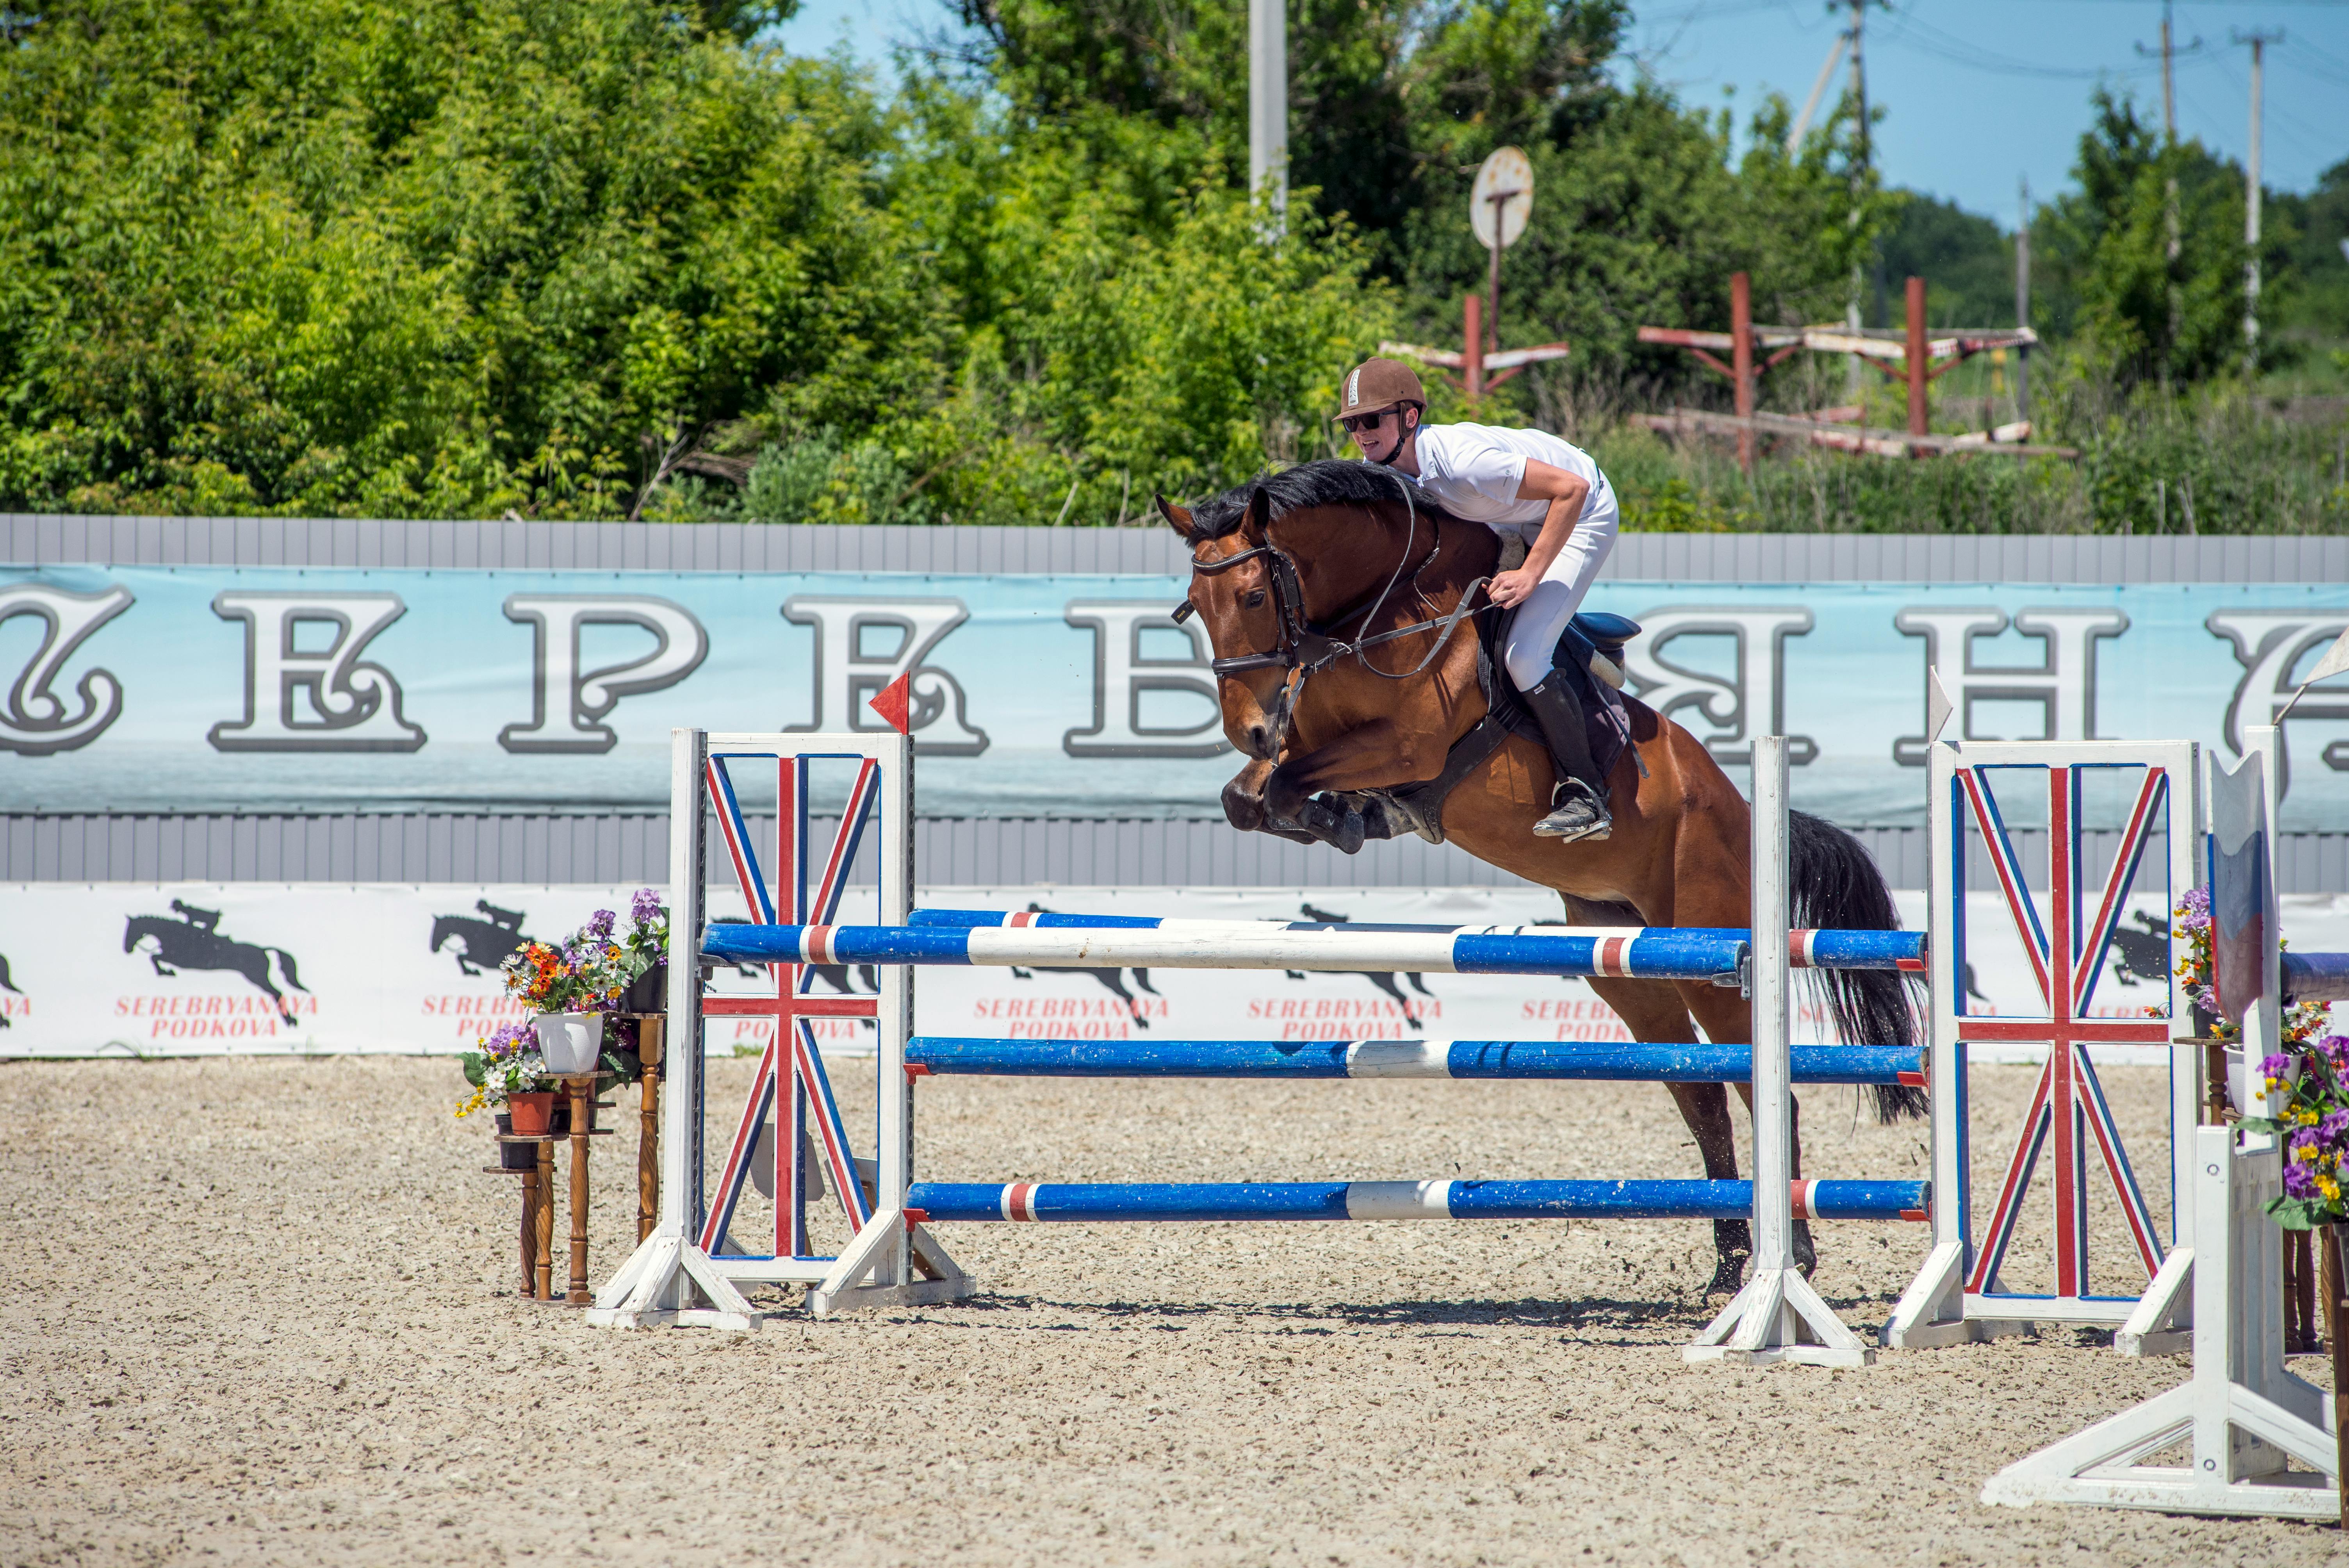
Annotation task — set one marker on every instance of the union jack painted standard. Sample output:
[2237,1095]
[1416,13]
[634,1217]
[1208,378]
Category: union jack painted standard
[2146,792]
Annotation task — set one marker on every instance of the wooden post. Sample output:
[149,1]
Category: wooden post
[2300,1336]
[1920,367]
[545,1290]
[583,1089]
[1472,347]
[648,1052]
[2336,1314]
[529,1228]
[1741,330]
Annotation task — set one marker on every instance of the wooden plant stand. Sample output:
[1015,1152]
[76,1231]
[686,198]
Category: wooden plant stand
[538,1188]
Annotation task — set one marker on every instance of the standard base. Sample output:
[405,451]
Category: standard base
[1779,1317]
[2098,1465]
[875,1248]
[669,1282]
[1936,1311]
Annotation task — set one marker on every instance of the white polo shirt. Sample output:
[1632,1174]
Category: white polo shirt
[1472,471]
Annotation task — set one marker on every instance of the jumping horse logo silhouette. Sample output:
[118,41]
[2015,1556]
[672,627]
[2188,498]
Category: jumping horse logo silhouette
[195,940]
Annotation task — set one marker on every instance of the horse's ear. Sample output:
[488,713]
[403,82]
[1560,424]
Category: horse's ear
[1260,516]
[1177,518]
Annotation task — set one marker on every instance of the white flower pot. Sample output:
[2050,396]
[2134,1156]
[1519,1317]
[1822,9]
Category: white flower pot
[570,1042]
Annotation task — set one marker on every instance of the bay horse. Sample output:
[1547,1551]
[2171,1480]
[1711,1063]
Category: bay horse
[1287,566]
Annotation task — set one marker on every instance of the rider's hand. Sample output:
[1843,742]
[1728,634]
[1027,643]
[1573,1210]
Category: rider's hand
[1509,588]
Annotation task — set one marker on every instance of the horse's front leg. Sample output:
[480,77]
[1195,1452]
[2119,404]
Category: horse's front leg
[1379,754]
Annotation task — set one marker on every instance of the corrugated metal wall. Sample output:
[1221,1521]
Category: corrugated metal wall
[634,849]
[740,547]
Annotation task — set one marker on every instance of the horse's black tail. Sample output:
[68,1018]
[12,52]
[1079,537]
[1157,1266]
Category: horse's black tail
[285,963]
[1838,888]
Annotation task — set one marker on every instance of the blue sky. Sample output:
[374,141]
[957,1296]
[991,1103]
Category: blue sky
[1977,93]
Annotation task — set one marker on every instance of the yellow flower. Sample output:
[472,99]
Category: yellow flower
[2329,1187]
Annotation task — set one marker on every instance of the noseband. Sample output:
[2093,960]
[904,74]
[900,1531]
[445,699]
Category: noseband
[1303,647]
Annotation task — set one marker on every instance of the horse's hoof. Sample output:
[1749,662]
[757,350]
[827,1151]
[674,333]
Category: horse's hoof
[1728,1275]
[1242,810]
[1341,829]
[1806,1256]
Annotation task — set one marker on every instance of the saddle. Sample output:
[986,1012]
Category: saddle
[1589,651]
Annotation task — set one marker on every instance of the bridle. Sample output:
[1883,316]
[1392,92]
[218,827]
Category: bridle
[1303,647]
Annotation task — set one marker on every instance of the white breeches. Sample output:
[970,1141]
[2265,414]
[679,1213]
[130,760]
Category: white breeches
[1542,617]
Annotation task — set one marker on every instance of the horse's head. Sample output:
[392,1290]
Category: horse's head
[1279,561]
[444,926]
[1232,593]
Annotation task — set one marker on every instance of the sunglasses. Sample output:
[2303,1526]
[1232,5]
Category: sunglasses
[1359,422]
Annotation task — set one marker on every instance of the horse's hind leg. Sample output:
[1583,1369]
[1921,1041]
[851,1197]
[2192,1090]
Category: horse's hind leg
[1726,1017]
[1653,1011]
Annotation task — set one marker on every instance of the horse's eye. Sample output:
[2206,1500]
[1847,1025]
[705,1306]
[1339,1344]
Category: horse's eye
[1254,599]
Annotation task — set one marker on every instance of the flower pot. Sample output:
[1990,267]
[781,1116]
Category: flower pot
[647,993]
[570,1042]
[516,1156]
[559,1125]
[533,1113]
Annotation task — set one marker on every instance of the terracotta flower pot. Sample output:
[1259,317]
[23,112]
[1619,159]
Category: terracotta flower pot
[533,1113]
[570,1042]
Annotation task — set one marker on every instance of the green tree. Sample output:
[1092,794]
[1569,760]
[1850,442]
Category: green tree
[2172,320]
[323,256]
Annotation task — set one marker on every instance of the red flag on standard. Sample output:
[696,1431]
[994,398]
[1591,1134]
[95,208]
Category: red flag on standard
[892,702]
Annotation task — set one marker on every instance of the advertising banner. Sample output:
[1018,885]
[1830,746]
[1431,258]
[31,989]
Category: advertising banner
[248,968]
[133,689]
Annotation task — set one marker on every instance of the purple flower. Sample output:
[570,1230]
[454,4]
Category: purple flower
[509,1039]
[2276,1067]
[2303,1143]
[644,908]
[599,925]
[2299,1182]
[2334,1127]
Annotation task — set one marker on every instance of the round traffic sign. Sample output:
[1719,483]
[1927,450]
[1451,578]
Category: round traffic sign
[1504,191]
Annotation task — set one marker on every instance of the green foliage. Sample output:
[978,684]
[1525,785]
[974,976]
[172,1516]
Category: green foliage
[1967,264]
[588,258]
[2108,247]
[2318,309]
[2150,463]
[323,257]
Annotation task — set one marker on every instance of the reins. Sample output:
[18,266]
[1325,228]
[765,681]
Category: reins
[1305,648]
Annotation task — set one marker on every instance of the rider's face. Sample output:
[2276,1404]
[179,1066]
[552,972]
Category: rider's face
[1378,436]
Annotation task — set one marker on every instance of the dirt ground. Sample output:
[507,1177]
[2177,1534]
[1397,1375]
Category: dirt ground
[264,1310]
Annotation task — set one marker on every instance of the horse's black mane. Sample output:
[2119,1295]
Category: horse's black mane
[1331,481]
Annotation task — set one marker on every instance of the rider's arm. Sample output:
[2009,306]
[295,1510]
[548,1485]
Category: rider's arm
[1565,493]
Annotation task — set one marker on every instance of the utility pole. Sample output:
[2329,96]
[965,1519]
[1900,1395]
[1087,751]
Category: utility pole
[2173,245]
[1269,110]
[2022,305]
[2259,42]
[1860,159]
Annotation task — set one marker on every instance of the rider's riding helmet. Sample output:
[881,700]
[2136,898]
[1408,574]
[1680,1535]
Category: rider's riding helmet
[1376,385]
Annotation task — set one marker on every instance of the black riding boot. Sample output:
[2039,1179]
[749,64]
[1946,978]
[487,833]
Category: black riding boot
[1581,800]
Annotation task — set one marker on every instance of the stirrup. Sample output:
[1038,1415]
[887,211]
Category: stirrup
[1581,813]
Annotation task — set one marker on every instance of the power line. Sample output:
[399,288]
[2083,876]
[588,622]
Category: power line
[1922,35]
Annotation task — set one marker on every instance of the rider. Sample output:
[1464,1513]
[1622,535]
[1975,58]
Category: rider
[1551,495]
